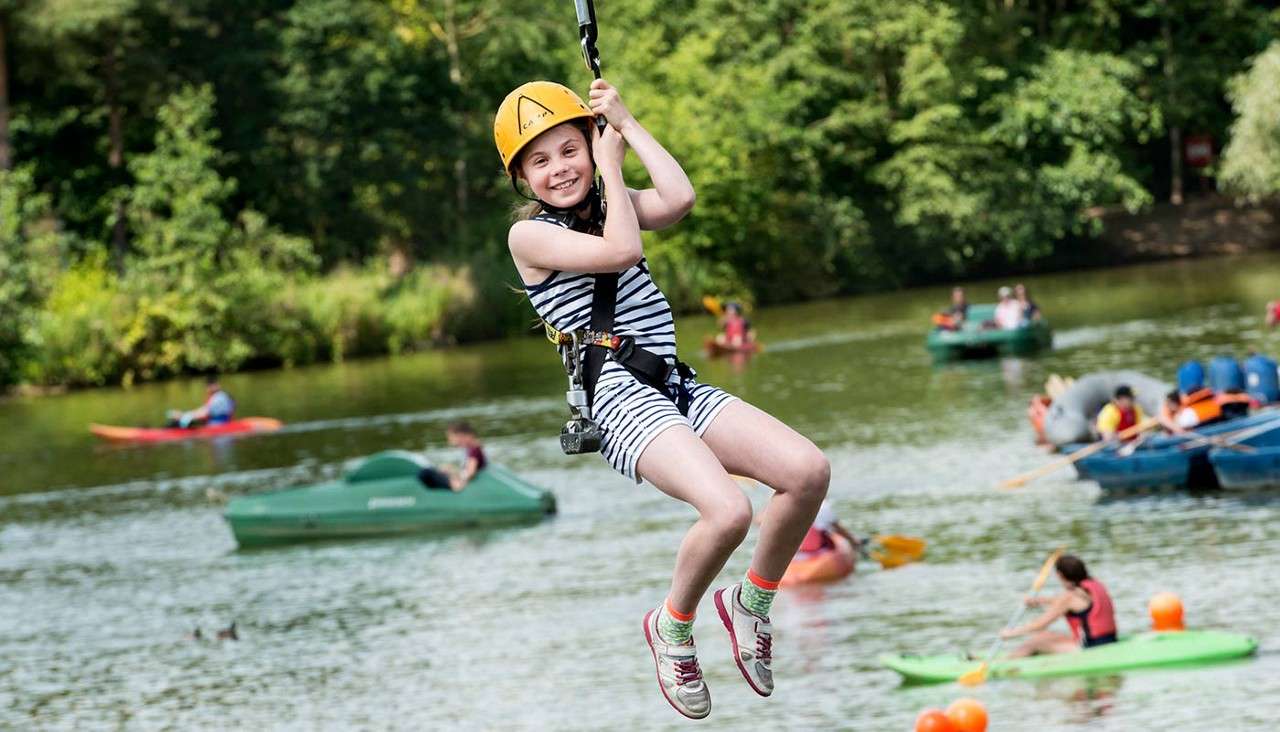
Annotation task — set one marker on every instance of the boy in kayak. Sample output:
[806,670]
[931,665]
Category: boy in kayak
[463,435]
[1086,605]
[1119,414]
[656,421]
[737,329]
[218,408]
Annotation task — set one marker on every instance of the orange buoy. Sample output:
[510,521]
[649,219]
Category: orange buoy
[934,720]
[967,715]
[1166,612]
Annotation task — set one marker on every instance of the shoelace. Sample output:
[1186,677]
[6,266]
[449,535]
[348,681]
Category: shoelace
[687,671]
[764,646]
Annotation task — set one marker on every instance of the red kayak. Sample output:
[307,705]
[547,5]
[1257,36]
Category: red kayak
[716,348]
[167,434]
[826,565]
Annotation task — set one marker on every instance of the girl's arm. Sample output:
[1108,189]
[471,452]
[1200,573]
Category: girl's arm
[672,194]
[1057,608]
[540,248]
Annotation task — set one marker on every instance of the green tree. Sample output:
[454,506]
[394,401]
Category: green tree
[26,230]
[1251,161]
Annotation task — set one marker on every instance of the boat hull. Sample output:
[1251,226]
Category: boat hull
[830,565]
[1144,650]
[382,503]
[243,426]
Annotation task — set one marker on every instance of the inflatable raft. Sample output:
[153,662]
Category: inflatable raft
[1144,650]
[973,340]
[1070,416]
[383,496]
[1237,470]
[1174,462]
[169,434]
[827,565]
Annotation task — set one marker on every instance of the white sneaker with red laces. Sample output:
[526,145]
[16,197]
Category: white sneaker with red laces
[751,637]
[679,677]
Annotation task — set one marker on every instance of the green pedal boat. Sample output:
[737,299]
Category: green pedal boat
[979,338]
[383,496]
[1144,650]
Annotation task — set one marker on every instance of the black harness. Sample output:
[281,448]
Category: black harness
[645,365]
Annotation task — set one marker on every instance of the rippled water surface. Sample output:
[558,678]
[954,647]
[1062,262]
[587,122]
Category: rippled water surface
[110,556]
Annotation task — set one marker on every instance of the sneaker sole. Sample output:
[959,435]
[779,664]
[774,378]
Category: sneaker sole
[648,637]
[727,619]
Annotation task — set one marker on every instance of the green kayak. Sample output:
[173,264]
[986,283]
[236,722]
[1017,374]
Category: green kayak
[975,341]
[1144,650]
[383,496]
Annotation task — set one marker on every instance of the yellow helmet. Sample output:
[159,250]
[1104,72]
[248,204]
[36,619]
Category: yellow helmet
[530,110]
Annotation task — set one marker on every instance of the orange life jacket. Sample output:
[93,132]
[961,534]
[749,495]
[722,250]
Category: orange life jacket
[1204,404]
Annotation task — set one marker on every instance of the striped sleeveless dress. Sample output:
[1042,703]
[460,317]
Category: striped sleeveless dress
[630,412]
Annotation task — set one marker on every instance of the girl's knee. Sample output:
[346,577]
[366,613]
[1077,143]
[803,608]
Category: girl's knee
[812,476]
[731,519]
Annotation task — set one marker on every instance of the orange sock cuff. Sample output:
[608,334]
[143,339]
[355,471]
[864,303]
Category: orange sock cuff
[682,617]
[761,582]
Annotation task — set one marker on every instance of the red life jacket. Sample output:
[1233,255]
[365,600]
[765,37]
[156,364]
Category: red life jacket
[1100,617]
[735,328]
[1128,418]
[816,540]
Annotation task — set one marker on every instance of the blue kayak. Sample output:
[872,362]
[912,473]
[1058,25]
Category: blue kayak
[1237,470]
[1172,462]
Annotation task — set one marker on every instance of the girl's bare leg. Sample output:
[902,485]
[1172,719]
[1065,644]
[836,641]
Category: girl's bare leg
[748,441]
[1046,641]
[683,467]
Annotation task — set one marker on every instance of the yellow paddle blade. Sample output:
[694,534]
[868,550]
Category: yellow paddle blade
[975,677]
[712,304]
[912,546]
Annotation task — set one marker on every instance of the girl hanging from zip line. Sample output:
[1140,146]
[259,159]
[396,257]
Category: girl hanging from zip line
[659,423]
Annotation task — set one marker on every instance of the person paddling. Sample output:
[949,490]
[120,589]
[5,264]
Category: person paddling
[1119,414]
[1086,605]
[639,405]
[737,330]
[218,408]
[826,525]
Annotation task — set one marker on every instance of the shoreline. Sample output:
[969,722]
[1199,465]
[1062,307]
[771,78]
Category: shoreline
[1207,226]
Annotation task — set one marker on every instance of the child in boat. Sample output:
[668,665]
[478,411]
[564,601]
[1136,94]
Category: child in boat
[820,536]
[1119,414]
[218,408]
[659,422]
[736,328]
[953,317]
[458,434]
[1086,605]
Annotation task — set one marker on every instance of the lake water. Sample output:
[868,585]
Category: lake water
[111,555]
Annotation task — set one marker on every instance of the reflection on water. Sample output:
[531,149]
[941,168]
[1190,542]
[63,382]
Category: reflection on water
[111,555]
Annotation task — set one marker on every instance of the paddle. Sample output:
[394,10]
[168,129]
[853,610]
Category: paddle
[713,305]
[894,550]
[1230,439]
[891,550]
[1021,480]
[979,674]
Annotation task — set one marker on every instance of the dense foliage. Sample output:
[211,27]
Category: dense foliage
[193,185]
[1251,163]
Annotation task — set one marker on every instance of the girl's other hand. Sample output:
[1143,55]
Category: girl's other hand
[605,100]
[608,147]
